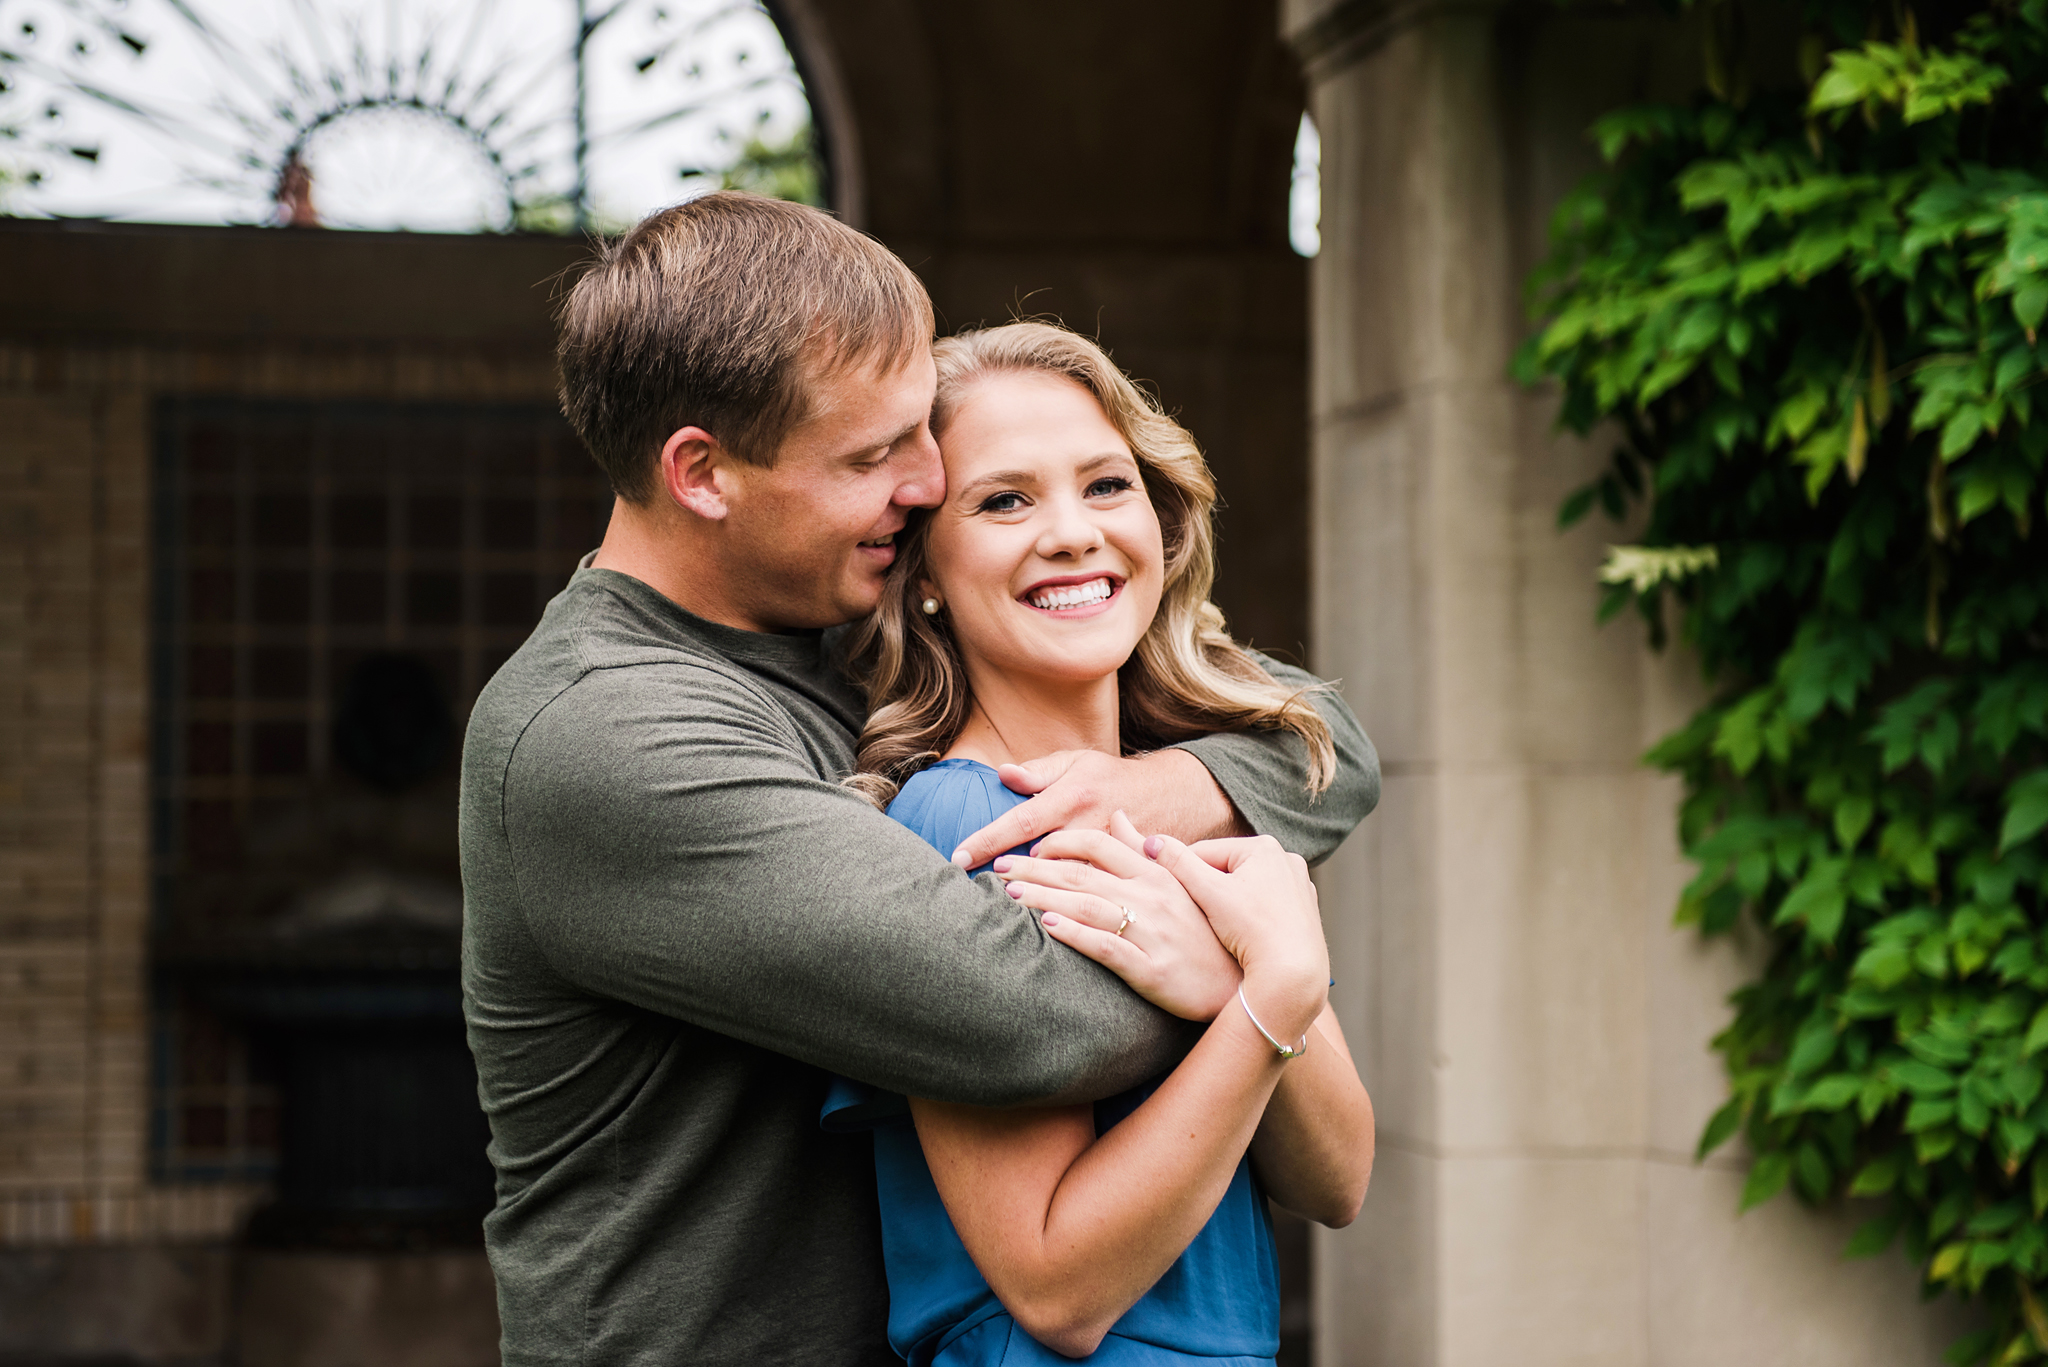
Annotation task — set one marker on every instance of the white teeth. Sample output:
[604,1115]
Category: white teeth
[1072,595]
[888,540]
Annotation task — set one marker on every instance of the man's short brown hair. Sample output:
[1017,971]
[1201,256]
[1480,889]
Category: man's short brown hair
[714,314]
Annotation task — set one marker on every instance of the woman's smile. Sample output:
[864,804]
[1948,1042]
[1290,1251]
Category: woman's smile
[1073,596]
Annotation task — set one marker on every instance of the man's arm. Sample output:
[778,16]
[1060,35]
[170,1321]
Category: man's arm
[672,849]
[1266,773]
[1247,782]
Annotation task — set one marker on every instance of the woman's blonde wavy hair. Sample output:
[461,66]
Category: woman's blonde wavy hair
[1186,678]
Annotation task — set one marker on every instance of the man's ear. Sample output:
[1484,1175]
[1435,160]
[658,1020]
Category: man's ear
[695,472]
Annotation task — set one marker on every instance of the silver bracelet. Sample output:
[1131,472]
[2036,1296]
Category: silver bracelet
[1282,1050]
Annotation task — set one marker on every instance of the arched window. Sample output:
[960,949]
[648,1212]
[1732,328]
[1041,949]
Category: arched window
[1305,191]
[422,115]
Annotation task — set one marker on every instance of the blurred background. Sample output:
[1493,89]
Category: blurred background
[282,480]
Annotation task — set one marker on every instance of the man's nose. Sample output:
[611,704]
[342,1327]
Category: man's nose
[924,475]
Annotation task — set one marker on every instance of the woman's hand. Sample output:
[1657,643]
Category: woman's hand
[1083,882]
[1263,907]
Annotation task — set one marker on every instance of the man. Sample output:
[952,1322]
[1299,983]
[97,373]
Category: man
[678,923]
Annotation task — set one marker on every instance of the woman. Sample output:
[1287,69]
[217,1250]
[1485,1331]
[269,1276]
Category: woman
[1057,600]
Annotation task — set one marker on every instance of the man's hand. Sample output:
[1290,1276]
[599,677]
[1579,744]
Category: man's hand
[1167,792]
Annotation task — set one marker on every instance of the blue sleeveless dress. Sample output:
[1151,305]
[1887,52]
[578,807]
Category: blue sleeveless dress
[1218,1305]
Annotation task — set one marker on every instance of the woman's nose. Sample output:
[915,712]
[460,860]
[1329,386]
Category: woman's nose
[1069,530]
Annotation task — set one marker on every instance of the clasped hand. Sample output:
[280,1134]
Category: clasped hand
[1199,917]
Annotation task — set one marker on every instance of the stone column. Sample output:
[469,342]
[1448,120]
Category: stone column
[1533,1030]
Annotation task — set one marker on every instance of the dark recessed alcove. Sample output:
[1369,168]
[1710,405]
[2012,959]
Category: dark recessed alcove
[335,582]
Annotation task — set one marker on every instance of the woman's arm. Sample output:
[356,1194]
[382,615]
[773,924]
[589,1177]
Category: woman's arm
[1313,1151]
[1070,1229]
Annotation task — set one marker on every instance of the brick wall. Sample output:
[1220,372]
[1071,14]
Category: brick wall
[73,829]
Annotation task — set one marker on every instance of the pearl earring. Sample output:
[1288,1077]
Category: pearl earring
[931,607]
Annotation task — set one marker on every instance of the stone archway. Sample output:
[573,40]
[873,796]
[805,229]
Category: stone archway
[1125,167]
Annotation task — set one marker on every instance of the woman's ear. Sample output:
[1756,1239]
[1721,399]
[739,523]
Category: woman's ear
[693,473]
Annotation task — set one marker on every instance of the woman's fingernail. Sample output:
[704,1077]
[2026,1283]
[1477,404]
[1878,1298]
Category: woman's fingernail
[1001,865]
[960,860]
[1049,919]
[1035,848]
[1153,845]
[1016,890]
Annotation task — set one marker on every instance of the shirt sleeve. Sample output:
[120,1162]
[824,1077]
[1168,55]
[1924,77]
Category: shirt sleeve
[672,847]
[1265,773]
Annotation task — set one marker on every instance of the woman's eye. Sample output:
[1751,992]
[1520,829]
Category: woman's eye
[1002,503]
[1108,485]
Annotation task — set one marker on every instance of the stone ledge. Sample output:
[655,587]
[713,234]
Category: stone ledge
[61,1217]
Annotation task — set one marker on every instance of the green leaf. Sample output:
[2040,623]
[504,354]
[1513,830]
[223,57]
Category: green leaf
[1797,415]
[1961,431]
[1719,1129]
[1767,1177]
[2030,304]
[1835,89]
[1878,1176]
[1995,1219]
[1971,1112]
[2037,1033]
[1984,1256]
[1815,1177]
[1929,1113]
[1576,506]
[2023,1083]
[1874,1236]
[2026,809]
[1972,1348]
[1922,1079]
[1947,1262]
[1886,965]
[1819,900]
[1852,818]
[1833,1092]
[1813,1046]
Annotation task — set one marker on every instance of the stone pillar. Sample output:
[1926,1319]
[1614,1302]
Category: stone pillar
[1533,1030]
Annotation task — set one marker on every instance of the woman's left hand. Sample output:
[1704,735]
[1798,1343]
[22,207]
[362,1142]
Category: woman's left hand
[1086,884]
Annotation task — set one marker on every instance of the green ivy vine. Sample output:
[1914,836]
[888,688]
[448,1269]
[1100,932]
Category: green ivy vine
[1813,317]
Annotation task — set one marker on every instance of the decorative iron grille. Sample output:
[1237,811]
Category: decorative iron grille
[335,582]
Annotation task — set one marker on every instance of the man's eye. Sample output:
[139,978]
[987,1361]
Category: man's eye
[1002,503]
[1108,485]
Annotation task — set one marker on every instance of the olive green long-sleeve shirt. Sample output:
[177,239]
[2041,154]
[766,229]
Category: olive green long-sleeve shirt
[677,925]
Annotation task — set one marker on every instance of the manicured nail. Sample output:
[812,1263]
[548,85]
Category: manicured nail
[1153,845]
[1015,890]
[1049,919]
[960,860]
[1001,865]
[1035,848]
